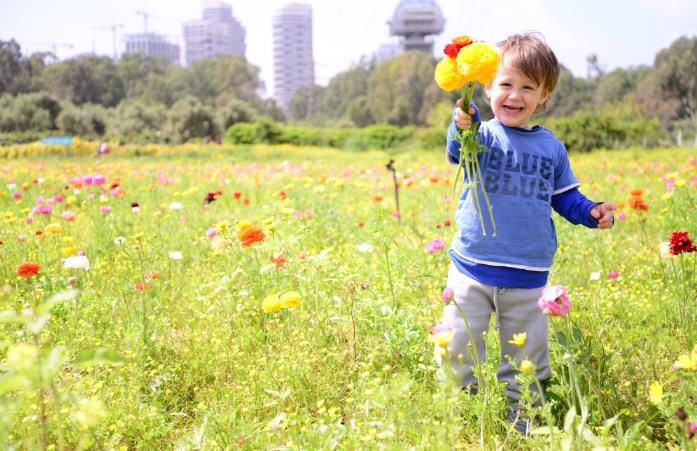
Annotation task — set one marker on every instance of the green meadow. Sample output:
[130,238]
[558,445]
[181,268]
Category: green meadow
[261,297]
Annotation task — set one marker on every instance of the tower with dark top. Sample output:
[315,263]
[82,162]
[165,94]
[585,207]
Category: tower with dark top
[415,22]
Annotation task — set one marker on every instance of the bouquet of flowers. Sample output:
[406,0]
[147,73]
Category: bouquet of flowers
[467,62]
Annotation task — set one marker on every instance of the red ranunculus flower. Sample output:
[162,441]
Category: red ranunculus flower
[681,242]
[28,269]
[250,235]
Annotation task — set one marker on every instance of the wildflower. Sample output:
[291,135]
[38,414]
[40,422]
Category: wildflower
[435,245]
[290,299]
[105,209]
[527,367]
[448,294]
[211,196]
[149,275]
[655,393]
[76,262]
[271,303]
[119,240]
[554,301]
[519,339]
[250,234]
[68,216]
[53,229]
[687,362]
[287,211]
[365,247]
[175,255]
[71,280]
[175,206]
[441,335]
[595,276]
[279,260]
[681,242]
[141,286]
[664,249]
[636,201]
[21,357]
[613,275]
[28,269]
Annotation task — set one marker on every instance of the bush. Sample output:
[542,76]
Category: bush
[263,131]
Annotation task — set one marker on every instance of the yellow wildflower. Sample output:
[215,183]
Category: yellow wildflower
[527,367]
[687,361]
[53,229]
[271,303]
[519,339]
[655,393]
[290,299]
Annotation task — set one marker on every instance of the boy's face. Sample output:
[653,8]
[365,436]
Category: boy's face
[514,97]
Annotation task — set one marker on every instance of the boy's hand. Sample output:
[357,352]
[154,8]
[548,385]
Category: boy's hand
[462,119]
[603,214]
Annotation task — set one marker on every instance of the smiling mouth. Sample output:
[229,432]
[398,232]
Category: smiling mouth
[512,109]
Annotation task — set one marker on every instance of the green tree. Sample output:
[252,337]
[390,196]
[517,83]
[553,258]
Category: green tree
[189,118]
[397,89]
[676,68]
[346,88]
[10,64]
[135,70]
[86,79]
[304,105]
[133,117]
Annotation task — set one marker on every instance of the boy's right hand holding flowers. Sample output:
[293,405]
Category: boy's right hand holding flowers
[463,119]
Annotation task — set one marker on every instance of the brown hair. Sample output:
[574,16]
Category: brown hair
[530,54]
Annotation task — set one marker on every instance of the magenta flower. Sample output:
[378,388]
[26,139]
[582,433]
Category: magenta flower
[211,232]
[16,195]
[104,209]
[435,245]
[554,301]
[448,294]
[613,275]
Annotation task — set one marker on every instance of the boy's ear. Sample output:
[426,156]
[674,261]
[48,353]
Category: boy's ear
[544,98]
[487,90]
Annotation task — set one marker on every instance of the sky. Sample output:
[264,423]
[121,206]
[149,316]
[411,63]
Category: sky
[622,33]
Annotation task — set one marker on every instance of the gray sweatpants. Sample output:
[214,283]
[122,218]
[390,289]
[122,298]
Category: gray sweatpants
[516,312]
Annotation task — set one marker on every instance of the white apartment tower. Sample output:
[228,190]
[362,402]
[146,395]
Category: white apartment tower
[152,44]
[217,32]
[292,51]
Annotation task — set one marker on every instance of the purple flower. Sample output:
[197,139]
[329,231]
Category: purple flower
[554,301]
[448,294]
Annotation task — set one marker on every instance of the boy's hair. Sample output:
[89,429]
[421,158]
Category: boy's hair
[530,54]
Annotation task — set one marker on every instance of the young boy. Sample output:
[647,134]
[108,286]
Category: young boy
[526,174]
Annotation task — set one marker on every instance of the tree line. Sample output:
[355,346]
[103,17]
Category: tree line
[142,98]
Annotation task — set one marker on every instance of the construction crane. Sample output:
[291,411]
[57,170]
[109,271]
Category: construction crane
[113,29]
[145,19]
[54,46]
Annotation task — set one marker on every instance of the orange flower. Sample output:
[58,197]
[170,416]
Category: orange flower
[279,260]
[142,286]
[151,275]
[636,202]
[250,234]
[28,269]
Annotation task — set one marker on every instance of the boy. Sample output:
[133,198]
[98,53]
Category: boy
[526,173]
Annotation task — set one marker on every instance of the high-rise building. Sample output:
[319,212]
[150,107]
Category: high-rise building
[217,32]
[293,63]
[152,44]
[415,21]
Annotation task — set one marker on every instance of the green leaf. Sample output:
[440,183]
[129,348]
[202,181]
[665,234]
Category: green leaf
[11,381]
[92,357]
[55,299]
[10,316]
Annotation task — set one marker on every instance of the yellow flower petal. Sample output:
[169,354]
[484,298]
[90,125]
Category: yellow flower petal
[479,62]
[448,76]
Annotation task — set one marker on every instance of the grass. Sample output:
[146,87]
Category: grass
[146,350]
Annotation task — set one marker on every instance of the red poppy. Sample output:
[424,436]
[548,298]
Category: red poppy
[28,269]
[681,242]
[142,286]
[249,235]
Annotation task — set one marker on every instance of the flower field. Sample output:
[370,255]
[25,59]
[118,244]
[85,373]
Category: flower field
[276,298]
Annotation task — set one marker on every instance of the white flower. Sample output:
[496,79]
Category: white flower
[11,186]
[175,255]
[119,240]
[365,247]
[664,248]
[175,206]
[77,262]
[595,276]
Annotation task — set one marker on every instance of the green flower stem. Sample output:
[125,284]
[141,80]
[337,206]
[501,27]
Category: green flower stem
[469,158]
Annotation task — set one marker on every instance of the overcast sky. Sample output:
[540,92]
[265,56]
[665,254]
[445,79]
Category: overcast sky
[623,33]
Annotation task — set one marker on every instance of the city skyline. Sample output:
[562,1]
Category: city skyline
[622,33]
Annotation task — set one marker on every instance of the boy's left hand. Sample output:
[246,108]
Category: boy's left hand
[603,214]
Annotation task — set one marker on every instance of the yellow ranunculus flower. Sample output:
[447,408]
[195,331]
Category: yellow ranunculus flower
[479,62]
[271,303]
[290,299]
[448,76]
[53,229]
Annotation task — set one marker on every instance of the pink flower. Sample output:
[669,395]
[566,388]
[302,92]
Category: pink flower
[68,216]
[435,245]
[554,301]
[211,232]
[104,209]
[448,294]
[613,275]
[621,216]
[17,195]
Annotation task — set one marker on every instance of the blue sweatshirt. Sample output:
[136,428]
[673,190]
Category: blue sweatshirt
[526,174]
